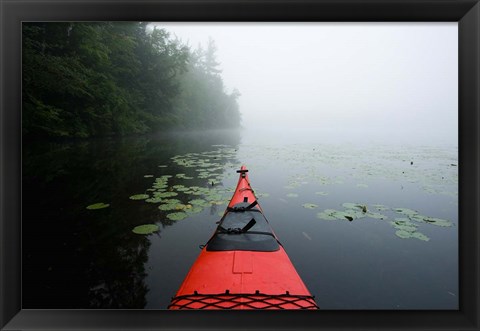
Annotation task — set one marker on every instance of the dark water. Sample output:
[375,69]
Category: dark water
[74,257]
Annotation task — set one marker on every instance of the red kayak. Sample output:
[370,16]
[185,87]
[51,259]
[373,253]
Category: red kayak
[243,265]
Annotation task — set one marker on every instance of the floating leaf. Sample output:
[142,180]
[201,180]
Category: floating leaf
[154,200]
[148,176]
[213,195]
[381,207]
[415,216]
[326,216]
[182,206]
[292,195]
[420,236]
[405,211]
[183,176]
[432,220]
[99,205]
[406,235]
[350,205]
[177,216]
[139,197]
[174,201]
[309,205]
[321,193]
[182,189]
[160,187]
[362,185]
[194,210]
[403,234]
[198,202]
[377,216]
[166,194]
[404,225]
[168,206]
[331,214]
[145,229]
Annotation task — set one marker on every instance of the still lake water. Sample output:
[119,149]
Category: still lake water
[402,253]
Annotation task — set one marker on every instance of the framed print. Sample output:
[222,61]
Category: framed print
[234,155]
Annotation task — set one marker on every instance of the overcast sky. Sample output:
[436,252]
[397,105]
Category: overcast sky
[389,77]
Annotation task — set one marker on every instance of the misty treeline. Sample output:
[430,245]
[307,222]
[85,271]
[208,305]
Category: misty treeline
[118,78]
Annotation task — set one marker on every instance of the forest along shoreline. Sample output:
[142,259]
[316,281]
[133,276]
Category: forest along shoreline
[106,79]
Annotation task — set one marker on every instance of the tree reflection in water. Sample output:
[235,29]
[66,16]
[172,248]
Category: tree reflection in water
[79,258]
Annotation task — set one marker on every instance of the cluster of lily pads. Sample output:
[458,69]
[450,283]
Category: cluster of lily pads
[199,185]
[406,226]
[434,170]
[352,211]
[178,196]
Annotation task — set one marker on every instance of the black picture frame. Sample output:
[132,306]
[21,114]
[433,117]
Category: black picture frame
[13,12]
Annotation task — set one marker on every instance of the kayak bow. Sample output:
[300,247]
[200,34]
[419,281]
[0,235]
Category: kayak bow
[243,265]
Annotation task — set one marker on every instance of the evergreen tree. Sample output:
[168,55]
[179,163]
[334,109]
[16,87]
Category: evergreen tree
[118,78]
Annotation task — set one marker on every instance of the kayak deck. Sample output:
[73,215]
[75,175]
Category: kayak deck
[243,265]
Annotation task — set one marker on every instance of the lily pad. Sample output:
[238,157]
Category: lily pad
[433,220]
[198,202]
[420,236]
[292,195]
[145,229]
[309,205]
[99,205]
[183,176]
[321,193]
[326,216]
[168,206]
[166,194]
[404,225]
[154,200]
[181,189]
[148,176]
[194,210]
[405,211]
[160,186]
[381,207]
[213,197]
[377,216]
[403,234]
[182,206]
[331,214]
[139,197]
[350,205]
[177,216]
[406,235]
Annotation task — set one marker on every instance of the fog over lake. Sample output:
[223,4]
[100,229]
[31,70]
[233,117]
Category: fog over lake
[369,82]
[349,133]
